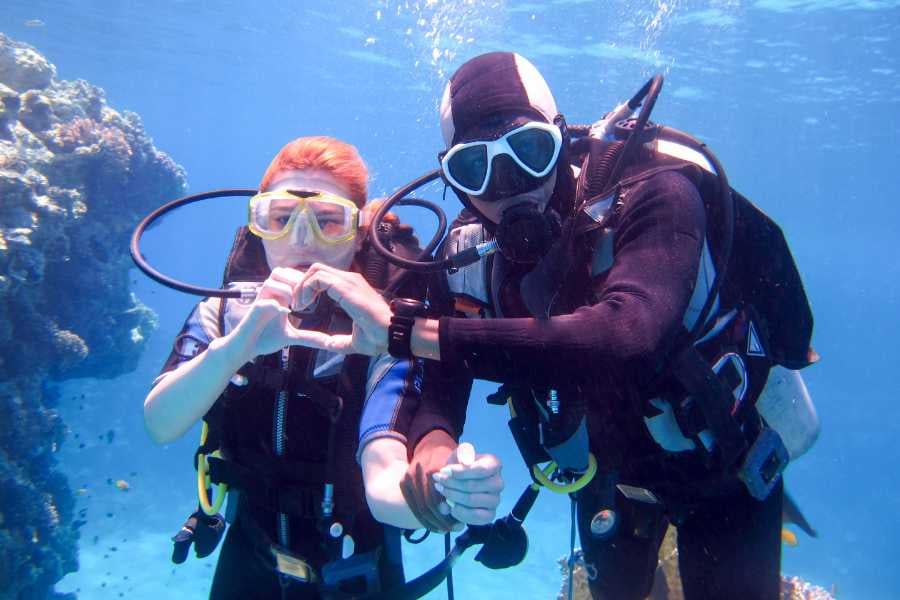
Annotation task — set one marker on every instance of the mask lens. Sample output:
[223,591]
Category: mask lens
[469,166]
[534,147]
[270,214]
[334,220]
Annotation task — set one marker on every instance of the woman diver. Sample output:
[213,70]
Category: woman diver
[289,424]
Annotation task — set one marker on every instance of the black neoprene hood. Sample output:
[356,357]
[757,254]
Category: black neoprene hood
[489,85]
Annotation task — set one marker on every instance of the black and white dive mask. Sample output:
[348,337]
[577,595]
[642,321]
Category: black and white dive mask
[516,162]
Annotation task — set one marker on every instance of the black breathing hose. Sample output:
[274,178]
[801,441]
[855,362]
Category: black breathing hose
[175,284]
[398,198]
[152,273]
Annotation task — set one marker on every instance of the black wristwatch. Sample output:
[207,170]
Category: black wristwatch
[400,331]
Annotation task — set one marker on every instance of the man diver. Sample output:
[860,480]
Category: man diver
[288,424]
[600,319]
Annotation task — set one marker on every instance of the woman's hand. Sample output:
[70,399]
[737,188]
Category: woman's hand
[266,327]
[471,485]
[371,315]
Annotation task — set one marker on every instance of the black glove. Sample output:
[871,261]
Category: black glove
[201,530]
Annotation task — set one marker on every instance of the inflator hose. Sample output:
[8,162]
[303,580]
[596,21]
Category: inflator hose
[650,91]
[398,199]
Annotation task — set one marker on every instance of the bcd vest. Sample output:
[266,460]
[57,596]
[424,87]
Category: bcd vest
[288,423]
[755,338]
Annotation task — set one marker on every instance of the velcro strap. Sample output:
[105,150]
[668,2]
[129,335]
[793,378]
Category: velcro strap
[689,417]
[279,469]
[299,500]
[232,474]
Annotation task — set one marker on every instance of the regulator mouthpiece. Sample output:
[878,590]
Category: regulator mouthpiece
[525,233]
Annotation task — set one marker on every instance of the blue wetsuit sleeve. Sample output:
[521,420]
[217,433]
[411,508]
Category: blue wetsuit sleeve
[393,392]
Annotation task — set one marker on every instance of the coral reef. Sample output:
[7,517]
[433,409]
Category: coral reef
[75,177]
[667,584]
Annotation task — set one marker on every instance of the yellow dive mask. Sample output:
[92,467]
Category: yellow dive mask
[332,219]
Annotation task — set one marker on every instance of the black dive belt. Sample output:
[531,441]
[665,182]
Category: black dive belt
[299,500]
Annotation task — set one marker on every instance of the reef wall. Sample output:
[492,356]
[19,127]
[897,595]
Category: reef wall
[75,177]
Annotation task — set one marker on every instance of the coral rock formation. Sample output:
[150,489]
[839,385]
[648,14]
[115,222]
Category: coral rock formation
[75,177]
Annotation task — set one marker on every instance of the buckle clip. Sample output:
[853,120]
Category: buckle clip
[292,566]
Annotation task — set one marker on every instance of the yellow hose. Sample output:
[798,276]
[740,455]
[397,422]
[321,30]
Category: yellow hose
[543,477]
[203,483]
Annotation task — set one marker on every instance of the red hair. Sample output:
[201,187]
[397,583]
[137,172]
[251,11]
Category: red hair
[338,159]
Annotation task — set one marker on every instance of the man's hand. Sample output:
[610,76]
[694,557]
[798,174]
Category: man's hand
[471,485]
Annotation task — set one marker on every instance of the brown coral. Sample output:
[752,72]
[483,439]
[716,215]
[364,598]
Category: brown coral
[667,585]
[87,133]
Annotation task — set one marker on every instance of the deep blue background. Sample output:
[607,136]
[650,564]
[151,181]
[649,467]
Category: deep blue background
[799,99]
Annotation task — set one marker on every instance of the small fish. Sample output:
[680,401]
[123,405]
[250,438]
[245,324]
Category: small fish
[789,537]
[34,23]
[110,435]
[123,485]
[82,491]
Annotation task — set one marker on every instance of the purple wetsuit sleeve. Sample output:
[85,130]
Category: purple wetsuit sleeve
[442,405]
[638,304]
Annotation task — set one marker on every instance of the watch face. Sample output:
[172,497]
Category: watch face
[407,307]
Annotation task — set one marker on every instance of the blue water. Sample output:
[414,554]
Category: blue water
[799,99]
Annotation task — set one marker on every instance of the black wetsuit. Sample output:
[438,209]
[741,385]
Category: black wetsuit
[606,345]
[246,420]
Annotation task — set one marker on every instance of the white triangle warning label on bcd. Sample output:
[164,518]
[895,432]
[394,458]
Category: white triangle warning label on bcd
[754,345]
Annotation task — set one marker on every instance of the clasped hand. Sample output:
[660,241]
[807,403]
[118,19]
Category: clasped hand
[471,484]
